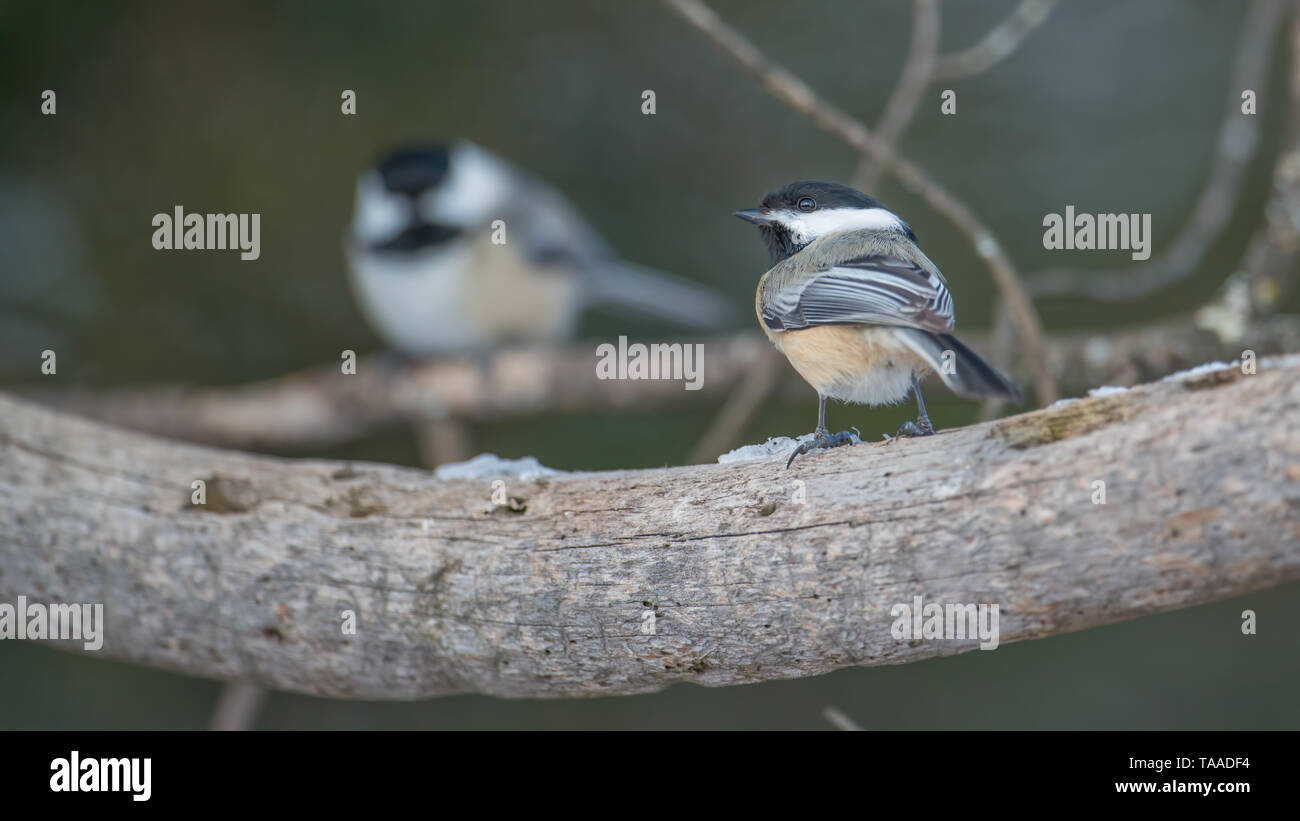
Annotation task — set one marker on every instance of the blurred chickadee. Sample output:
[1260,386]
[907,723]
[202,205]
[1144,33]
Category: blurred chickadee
[432,273]
[856,307]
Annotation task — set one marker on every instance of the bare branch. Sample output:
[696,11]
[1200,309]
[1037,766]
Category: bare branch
[443,440]
[907,94]
[1268,271]
[323,407]
[626,582]
[795,93]
[999,44]
[839,720]
[1238,139]
[757,385]
[238,706]
[1001,351]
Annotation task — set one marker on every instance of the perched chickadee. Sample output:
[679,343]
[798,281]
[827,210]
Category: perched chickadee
[856,307]
[452,249]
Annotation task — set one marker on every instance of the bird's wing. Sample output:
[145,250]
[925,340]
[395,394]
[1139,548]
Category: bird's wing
[551,231]
[870,290]
[554,233]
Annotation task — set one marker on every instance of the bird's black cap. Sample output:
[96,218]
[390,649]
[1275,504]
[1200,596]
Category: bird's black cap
[414,169]
[827,195]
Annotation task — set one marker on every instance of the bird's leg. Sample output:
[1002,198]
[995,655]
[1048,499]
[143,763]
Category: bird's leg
[821,439]
[922,426]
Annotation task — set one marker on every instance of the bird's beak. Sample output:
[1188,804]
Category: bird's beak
[753,215]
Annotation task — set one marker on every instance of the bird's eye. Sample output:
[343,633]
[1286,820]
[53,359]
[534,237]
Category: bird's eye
[807,204]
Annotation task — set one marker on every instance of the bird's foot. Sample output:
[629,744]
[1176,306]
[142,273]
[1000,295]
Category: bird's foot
[921,427]
[822,440]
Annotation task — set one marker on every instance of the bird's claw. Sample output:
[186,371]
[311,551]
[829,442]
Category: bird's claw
[822,440]
[920,427]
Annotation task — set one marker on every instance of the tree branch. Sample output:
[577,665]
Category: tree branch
[322,407]
[238,706]
[626,582]
[1268,272]
[1238,139]
[759,382]
[996,46]
[912,83]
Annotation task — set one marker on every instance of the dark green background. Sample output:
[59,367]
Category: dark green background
[1111,106]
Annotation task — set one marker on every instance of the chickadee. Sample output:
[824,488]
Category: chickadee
[452,249]
[856,307]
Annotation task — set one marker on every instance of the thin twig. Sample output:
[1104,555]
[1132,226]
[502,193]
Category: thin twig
[442,441]
[238,706]
[797,94]
[912,82]
[997,45]
[758,383]
[1001,349]
[1238,140]
[1267,273]
[840,721]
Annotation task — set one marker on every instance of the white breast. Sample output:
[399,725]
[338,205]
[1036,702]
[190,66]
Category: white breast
[462,296]
[415,303]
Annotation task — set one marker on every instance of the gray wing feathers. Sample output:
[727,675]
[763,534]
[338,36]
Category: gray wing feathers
[872,290]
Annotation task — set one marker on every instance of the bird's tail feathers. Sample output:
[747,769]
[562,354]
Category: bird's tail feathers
[961,369]
[659,295]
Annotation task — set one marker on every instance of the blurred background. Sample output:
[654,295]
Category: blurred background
[1108,106]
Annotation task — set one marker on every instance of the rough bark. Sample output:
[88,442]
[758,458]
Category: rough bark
[546,593]
[323,406]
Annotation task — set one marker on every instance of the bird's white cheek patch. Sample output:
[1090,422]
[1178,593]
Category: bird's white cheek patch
[476,183]
[806,227]
[377,215]
[834,220]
